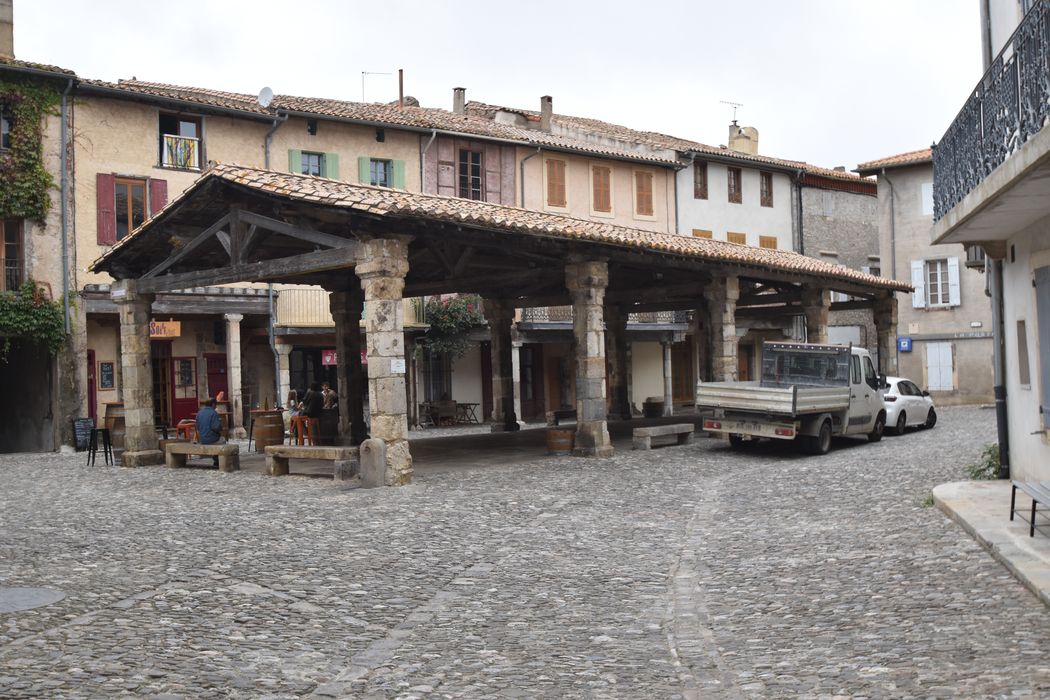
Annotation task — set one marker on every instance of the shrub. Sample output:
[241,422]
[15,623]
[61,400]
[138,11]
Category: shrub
[987,464]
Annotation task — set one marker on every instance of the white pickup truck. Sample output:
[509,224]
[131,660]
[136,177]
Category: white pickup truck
[807,393]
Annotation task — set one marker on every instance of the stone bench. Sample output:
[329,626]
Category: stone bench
[643,437]
[553,417]
[175,454]
[344,459]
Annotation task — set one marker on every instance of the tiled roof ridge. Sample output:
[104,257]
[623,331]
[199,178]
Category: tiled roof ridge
[919,155]
[188,88]
[47,68]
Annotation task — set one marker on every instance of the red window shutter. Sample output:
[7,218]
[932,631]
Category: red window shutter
[158,195]
[106,226]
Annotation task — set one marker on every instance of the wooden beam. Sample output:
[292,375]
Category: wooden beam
[464,257]
[766,299]
[504,280]
[305,263]
[852,305]
[304,234]
[224,239]
[250,241]
[189,247]
[439,254]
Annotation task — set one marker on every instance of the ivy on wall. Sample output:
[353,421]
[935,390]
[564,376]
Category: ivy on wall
[25,183]
[28,314]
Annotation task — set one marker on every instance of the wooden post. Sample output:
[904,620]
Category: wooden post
[500,316]
[346,307]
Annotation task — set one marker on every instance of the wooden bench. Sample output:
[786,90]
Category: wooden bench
[643,437]
[175,454]
[1038,491]
[554,417]
[344,459]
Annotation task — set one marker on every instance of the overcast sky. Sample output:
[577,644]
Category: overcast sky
[832,82]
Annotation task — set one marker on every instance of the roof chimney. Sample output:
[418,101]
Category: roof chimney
[546,109]
[459,99]
[743,139]
[7,29]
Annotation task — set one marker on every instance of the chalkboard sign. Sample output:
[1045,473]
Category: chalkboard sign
[105,375]
[82,431]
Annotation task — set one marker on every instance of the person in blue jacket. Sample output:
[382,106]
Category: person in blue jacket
[209,426]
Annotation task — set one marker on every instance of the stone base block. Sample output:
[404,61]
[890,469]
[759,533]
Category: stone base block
[603,451]
[142,459]
[238,434]
[505,428]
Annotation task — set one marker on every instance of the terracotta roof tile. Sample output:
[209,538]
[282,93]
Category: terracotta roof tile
[399,203]
[923,155]
[16,63]
[242,102]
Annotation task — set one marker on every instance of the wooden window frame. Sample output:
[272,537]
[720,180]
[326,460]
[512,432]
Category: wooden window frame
[547,202]
[768,242]
[130,182]
[942,281]
[7,125]
[766,195]
[700,179]
[470,185]
[638,212]
[702,233]
[736,194]
[740,238]
[303,163]
[195,119]
[20,254]
[595,209]
[388,168]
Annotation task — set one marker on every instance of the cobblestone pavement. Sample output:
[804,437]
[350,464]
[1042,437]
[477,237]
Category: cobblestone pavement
[690,571]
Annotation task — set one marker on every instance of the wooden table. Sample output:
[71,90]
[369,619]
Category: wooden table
[467,413]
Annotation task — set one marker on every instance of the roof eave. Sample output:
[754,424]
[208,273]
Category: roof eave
[172,101]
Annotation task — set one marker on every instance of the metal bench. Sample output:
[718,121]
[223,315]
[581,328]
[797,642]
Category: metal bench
[643,437]
[175,454]
[1038,491]
[345,464]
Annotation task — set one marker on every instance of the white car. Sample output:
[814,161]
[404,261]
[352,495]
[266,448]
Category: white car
[907,405]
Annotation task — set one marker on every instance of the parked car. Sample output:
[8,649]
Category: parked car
[907,405]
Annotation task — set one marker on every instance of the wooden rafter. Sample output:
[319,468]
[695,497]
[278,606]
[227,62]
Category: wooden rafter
[185,250]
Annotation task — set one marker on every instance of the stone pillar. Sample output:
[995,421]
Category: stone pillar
[515,365]
[721,309]
[382,268]
[284,377]
[586,282]
[815,304]
[346,307]
[140,434]
[500,316]
[619,406]
[233,374]
[885,316]
[701,326]
[668,380]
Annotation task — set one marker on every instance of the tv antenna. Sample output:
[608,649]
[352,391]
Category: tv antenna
[363,74]
[734,105]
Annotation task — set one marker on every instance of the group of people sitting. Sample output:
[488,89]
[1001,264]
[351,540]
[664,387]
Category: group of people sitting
[317,398]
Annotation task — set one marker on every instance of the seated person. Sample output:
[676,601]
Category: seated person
[209,427]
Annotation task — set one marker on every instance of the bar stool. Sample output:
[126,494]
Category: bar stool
[305,428]
[107,446]
[186,430]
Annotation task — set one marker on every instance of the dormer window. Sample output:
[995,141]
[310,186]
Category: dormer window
[6,122]
[180,141]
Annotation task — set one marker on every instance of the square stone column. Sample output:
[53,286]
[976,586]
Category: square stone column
[722,296]
[885,317]
[140,434]
[284,373]
[619,405]
[586,282]
[233,374]
[347,307]
[382,268]
[500,317]
[816,304]
[701,326]
[668,379]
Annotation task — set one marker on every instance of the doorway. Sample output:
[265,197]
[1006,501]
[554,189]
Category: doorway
[92,387]
[683,385]
[530,358]
[217,378]
[184,402]
[160,356]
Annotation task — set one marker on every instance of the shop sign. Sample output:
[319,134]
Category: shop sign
[165,329]
[331,357]
[903,344]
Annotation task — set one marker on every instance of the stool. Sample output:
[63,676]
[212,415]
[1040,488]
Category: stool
[107,446]
[304,428]
[186,429]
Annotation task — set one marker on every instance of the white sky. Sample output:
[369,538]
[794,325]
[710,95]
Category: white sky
[832,82]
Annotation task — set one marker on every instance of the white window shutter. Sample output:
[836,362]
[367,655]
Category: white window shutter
[954,295]
[918,280]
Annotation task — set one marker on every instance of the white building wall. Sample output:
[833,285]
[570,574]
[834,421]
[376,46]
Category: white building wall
[647,371]
[718,215]
[466,377]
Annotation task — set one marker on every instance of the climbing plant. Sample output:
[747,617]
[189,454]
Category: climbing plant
[25,184]
[29,315]
[450,319]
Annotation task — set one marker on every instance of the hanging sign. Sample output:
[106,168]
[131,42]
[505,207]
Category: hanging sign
[165,329]
[331,357]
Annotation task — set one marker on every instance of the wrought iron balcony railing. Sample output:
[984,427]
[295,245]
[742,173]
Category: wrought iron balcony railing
[1010,104]
[563,314]
[180,152]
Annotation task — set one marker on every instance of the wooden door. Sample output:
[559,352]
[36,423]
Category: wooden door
[217,379]
[184,402]
[160,351]
[683,386]
[486,380]
[92,381]
[530,358]
[745,356]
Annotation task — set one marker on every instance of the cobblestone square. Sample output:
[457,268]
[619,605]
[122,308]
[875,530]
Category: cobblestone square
[690,571]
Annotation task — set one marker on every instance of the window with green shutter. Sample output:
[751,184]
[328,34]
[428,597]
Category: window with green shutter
[331,166]
[381,172]
[295,160]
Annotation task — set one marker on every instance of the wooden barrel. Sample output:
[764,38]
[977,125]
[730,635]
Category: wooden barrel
[114,420]
[559,440]
[268,429]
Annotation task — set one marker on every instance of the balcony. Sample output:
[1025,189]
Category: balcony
[180,152]
[991,152]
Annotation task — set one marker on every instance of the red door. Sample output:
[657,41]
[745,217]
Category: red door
[92,386]
[217,375]
[184,384]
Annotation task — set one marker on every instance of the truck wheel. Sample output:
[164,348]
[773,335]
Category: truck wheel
[820,443]
[880,427]
[736,441]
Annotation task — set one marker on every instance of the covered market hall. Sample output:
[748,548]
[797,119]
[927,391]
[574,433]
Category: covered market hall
[372,247]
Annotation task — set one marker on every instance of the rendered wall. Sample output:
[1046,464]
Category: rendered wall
[718,215]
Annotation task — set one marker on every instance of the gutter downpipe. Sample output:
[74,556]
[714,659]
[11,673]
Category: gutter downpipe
[64,158]
[423,155]
[994,269]
[522,171]
[893,226]
[798,195]
[281,119]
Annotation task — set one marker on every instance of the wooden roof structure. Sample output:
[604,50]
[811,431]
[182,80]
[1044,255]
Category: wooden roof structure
[240,224]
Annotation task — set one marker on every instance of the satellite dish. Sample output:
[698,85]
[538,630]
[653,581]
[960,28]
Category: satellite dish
[265,97]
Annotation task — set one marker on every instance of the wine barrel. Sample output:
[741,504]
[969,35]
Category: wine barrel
[114,420]
[559,440]
[268,429]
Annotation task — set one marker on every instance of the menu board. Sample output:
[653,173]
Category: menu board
[82,431]
[106,379]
